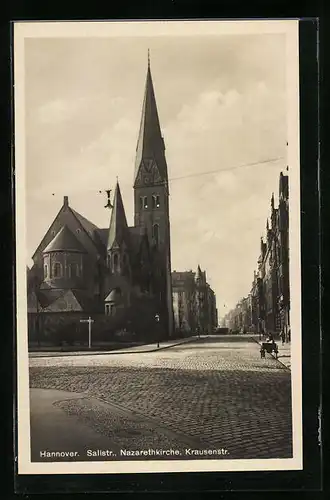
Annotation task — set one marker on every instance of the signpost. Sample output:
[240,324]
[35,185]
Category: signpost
[89,321]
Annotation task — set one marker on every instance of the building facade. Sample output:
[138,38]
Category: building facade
[122,273]
[268,304]
[194,302]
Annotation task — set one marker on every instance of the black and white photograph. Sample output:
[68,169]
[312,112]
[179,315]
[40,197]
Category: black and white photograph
[157,191]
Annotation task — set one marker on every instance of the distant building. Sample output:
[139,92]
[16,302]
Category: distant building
[184,301]
[194,302]
[267,308]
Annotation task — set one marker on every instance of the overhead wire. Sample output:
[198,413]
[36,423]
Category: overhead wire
[219,170]
[210,172]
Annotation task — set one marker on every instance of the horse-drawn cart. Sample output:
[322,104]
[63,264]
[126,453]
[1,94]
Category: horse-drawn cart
[270,348]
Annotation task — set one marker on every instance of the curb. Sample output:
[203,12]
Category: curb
[276,359]
[118,351]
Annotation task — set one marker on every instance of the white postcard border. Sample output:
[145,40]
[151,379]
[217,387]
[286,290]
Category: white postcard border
[24,30]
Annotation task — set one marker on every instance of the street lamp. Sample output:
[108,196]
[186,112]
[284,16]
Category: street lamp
[157,322]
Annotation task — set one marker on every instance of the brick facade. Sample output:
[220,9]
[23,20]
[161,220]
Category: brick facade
[269,298]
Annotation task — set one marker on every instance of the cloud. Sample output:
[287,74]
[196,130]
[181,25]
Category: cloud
[54,112]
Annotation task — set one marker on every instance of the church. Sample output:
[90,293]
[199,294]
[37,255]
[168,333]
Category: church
[120,275]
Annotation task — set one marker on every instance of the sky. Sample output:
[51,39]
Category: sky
[223,111]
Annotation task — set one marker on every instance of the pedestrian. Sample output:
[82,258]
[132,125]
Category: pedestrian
[282,336]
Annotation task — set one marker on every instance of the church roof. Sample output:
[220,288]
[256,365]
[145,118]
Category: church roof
[150,144]
[92,230]
[65,240]
[89,227]
[103,235]
[118,230]
[46,297]
[113,296]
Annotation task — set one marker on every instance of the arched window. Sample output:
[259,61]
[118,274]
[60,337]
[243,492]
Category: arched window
[46,271]
[155,201]
[155,234]
[57,270]
[145,202]
[110,309]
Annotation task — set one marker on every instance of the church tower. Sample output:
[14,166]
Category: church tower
[151,202]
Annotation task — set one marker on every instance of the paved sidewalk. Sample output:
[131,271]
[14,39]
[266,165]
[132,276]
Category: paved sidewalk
[284,351]
[130,350]
[56,431]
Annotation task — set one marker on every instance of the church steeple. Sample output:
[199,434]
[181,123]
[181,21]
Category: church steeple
[151,202]
[150,149]
[118,230]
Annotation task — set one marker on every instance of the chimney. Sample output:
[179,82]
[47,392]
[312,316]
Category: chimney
[66,201]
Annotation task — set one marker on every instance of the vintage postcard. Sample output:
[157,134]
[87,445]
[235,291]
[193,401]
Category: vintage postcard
[157,191]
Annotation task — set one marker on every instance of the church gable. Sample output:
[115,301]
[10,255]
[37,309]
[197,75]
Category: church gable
[148,174]
[66,217]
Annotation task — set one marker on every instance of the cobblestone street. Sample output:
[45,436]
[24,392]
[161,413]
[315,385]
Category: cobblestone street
[210,393]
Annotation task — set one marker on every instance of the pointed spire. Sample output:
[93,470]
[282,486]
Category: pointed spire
[272,201]
[118,224]
[199,273]
[150,144]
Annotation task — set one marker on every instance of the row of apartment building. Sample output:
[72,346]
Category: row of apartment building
[266,309]
[194,302]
